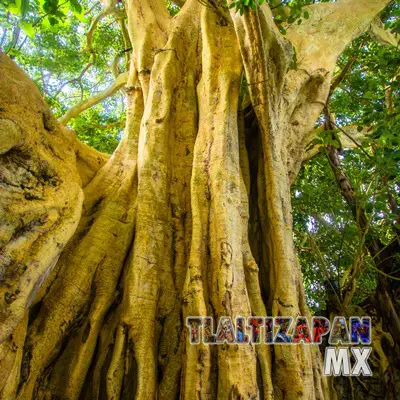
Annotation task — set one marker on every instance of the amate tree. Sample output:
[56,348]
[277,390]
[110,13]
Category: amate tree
[103,257]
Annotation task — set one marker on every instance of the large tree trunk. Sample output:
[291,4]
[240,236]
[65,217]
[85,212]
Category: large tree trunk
[102,259]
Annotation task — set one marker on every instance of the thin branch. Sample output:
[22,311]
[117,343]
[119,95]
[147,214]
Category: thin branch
[325,271]
[97,98]
[278,5]
[92,8]
[3,37]
[97,18]
[127,42]
[115,64]
[22,43]
[389,94]
[78,79]
[347,140]
[51,11]
[357,144]
[338,79]
[15,38]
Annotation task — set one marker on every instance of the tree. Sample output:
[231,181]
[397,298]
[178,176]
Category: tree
[103,257]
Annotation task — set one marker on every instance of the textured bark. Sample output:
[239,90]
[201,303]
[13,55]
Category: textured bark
[103,258]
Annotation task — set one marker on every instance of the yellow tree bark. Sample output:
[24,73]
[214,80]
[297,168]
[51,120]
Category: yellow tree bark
[102,258]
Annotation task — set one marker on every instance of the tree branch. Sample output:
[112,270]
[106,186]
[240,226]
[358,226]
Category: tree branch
[127,41]
[349,137]
[389,94]
[318,42]
[109,7]
[97,98]
[382,35]
[316,46]
[339,78]
[78,79]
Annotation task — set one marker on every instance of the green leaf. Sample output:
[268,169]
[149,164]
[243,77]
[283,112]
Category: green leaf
[15,7]
[46,23]
[59,14]
[306,14]
[316,141]
[24,7]
[75,6]
[53,21]
[232,5]
[27,28]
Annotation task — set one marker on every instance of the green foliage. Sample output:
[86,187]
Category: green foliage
[244,5]
[322,216]
[97,131]
[326,137]
[172,8]
[322,219]
[48,41]
[285,12]
[48,13]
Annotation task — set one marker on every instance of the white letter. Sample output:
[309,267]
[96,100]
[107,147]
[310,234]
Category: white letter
[361,355]
[338,359]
